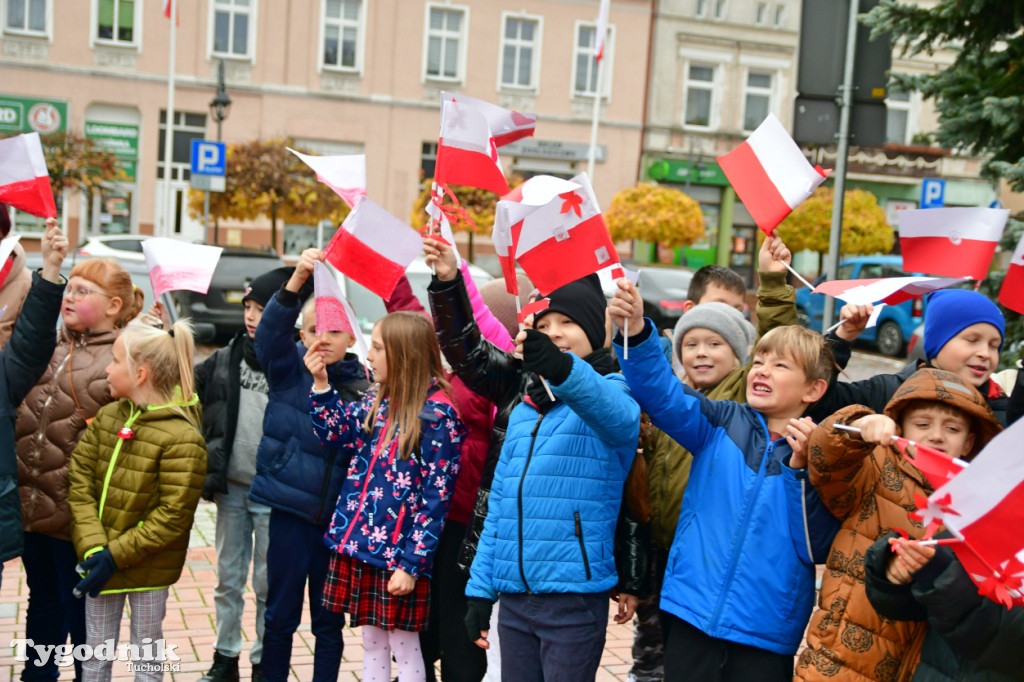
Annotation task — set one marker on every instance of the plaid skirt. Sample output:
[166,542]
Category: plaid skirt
[361,590]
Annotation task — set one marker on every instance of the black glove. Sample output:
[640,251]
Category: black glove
[541,355]
[478,616]
[97,570]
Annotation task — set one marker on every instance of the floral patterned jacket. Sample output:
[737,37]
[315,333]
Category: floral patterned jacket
[391,511]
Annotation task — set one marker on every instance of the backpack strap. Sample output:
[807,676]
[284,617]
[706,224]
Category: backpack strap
[429,415]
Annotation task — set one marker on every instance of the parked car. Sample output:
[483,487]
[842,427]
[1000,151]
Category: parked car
[896,323]
[124,247]
[663,290]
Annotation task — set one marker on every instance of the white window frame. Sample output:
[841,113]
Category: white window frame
[463,38]
[779,15]
[342,23]
[250,38]
[96,41]
[534,84]
[714,86]
[761,12]
[912,108]
[47,31]
[768,92]
[608,59]
[719,10]
[700,8]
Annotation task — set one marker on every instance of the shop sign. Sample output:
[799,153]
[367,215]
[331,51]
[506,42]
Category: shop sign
[27,115]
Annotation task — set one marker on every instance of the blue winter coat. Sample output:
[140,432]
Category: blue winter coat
[741,566]
[556,492]
[391,510]
[295,473]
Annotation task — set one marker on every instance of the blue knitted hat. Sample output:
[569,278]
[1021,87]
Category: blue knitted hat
[950,311]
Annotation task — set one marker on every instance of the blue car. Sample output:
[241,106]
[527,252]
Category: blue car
[896,323]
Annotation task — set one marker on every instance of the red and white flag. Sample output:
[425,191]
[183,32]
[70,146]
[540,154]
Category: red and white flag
[565,239]
[890,290]
[602,29]
[179,266]
[504,125]
[345,174]
[373,247]
[770,174]
[1011,294]
[24,180]
[466,152]
[167,11]
[937,467]
[951,242]
[333,312]
[988,501]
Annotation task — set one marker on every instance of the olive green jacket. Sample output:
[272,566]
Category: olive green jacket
[668,463]
[135,480]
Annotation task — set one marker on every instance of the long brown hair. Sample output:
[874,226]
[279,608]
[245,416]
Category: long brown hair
[413,358]
[116,283]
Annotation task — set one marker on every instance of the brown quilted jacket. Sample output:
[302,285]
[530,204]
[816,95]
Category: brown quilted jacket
[49,425]
[870,489]
[137,496]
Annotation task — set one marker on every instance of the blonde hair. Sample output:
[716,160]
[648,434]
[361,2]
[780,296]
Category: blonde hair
[116,283]
[168,357]
[308,311]
[413,359]
[808,348]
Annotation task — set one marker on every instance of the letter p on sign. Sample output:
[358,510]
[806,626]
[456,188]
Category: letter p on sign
[207,158]
[933,191]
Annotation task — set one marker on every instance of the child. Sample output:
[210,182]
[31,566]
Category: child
[868,485]
[383,543]
[233,390]
[136,477]
[22,361]
[547,543]
[99,300]
[739,583]
[970,637]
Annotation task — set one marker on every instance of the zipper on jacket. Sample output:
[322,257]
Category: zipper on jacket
[583,547]
[398,525]
[529,456]
[761,473]
[133,415]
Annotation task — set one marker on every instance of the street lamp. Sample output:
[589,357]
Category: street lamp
[220,106]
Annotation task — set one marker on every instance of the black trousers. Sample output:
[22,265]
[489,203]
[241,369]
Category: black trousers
[693,656]
[446,638]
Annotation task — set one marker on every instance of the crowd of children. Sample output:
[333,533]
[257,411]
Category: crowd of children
[465,467]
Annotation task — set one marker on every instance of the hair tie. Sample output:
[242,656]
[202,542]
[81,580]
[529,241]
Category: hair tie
[171,332]
[135,287]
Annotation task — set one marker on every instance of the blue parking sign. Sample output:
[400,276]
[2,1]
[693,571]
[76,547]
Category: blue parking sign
[933,192]
[207,157]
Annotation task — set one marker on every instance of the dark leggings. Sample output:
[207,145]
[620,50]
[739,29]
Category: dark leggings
[693,656]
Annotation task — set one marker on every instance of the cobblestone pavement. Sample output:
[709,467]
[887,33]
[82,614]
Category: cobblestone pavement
[190,612]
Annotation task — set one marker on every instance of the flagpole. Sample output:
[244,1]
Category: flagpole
[169,127]
[592,152]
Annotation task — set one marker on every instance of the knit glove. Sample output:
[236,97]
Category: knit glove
[541,355]
[97,570]
[478,616]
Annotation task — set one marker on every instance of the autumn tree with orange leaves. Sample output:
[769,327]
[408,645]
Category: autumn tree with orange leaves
[656,214]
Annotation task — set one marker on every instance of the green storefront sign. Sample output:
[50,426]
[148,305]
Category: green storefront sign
[27,115]
[120,139]
[708,172]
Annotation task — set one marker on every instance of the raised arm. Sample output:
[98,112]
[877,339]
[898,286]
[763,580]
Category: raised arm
[836,462]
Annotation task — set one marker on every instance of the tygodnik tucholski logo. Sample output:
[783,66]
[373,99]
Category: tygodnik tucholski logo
[151,656]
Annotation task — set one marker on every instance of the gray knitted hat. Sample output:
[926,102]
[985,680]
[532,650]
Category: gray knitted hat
[720,318]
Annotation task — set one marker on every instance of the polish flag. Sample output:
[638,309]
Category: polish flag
[952,242]
[373,247]
[444,228]
[179,266]
[770,174]
[167,12]
[504,125]
[346,174]
[988,500]
[333,312]
[24,180]
[938,468]
[1011,294]
[565,239]
[889,290]
[466,152]
[602,29]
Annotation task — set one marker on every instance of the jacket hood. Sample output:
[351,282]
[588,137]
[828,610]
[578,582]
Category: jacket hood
[89,336]
[946,387]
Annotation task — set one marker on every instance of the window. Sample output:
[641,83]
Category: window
[700,92]
[701,8]
[520,47]
[428,159]
[446,38]
[115,21]
[757,99]
[780,16]
[719,10]
[27,16]
[187,127]
[231,28]
[897,118]
[761,13]
[585,70]
[343,30]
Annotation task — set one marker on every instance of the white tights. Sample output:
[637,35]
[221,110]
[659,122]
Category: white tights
[380,644]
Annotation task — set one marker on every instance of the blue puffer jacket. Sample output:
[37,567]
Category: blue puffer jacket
[741,566]
[556,492]
[294,472]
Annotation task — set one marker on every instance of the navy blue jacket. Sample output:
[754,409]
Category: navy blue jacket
[741,566]
[295,473]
